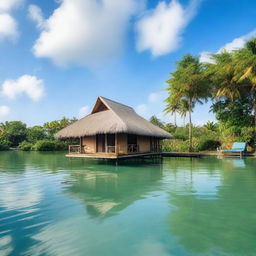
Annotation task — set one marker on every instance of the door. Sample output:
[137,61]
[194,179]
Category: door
[100,143]
[111,143]
[132,143]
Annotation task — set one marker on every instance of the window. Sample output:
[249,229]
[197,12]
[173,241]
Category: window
[132,139]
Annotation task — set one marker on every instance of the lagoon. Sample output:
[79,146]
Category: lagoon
[50,205]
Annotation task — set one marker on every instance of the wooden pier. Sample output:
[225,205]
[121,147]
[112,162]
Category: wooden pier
[149,155]
[113,156]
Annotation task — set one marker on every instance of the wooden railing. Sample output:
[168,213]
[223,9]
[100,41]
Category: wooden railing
[74,149]
[133,148]
[111,149]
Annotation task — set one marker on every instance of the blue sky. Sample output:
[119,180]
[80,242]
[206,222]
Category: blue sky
[58,56]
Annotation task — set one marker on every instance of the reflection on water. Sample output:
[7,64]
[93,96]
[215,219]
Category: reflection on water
[50,205]
[107,193]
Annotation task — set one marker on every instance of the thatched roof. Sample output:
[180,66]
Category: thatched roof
[111,117]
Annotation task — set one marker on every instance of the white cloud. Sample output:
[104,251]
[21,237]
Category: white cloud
[154,105]
[36,15]
[238,42]
[7,5]
[4,111]
[85,32]
[160,30]
[8,27]
[235,44]
[83,111]
[205,57]
[26,84]
[154,96]
[141,109]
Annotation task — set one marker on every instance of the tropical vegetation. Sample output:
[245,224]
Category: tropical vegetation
[15,134]
[229,82]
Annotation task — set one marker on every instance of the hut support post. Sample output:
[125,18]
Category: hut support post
[116,144]
[81,144]
[106,143]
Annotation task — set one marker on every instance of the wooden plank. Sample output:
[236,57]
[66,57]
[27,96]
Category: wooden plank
[110,156]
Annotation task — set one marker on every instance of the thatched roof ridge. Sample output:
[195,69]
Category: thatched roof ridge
[117,118]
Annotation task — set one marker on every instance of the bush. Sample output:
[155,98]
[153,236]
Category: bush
[4,146]
[208,144]
[25,146]
[60,145]
[247,135]
[36,133]
[199,144]
[50,145]
[181,133]
[175,145]
[15,132]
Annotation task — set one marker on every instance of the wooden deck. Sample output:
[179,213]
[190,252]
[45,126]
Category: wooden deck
[162,154]
[112,156]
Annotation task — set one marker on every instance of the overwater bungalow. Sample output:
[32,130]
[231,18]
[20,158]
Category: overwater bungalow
[113,130]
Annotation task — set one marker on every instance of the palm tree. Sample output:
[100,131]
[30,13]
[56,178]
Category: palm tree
[184,108]
[223,76]
[156,121]
[246,70]
[188,83]
[211,126]
[172,107]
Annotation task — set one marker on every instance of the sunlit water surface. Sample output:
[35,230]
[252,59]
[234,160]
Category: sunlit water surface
[50,205]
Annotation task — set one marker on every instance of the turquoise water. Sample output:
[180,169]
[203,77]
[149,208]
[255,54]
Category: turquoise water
[50,205]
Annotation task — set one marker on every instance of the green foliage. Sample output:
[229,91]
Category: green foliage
[222,75]
[251,45]
[36,133]
[50,145]
[14,132]
[175,145]
[236,113]
[211,126]
[170,128]
[199,144]
[204,139]
[55,126]
[181,133]
[25,146]
[230,82]
[188,85]
[154,120]
[3,145]
[208,144]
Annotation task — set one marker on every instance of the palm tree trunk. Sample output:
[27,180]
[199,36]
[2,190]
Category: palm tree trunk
[175,121]
[190,125]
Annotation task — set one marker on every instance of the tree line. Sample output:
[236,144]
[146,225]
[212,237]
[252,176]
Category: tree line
[16,134]
[229,81]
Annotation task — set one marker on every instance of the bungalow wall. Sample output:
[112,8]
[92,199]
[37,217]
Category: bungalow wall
[142,141]
[144,144]
[122,142]
[89,144]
